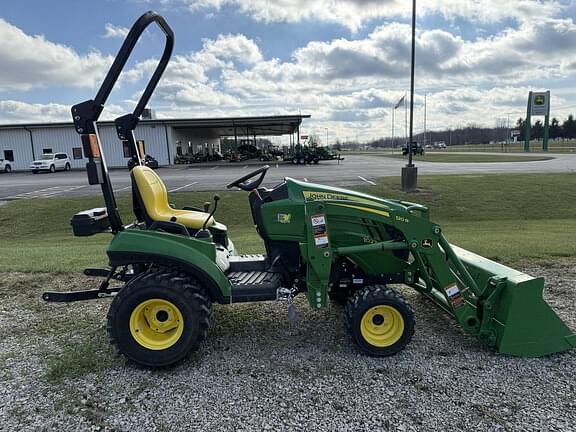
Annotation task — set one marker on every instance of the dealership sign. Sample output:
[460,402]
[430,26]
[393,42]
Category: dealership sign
[540,103]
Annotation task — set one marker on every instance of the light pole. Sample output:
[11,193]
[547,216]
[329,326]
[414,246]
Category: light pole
[410,172]
[326,137]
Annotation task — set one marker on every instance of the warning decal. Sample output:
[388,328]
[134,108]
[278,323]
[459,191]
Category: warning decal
[455,296]
[319,231]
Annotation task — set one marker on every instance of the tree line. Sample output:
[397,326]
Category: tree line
[475,134]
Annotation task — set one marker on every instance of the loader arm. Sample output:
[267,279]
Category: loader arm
[503,307]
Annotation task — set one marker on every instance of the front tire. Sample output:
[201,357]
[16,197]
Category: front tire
[159,318]
[379,320]
[52,169]
[67,168]
[7,169]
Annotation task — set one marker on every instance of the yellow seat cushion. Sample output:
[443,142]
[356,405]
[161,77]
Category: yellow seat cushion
[155,198]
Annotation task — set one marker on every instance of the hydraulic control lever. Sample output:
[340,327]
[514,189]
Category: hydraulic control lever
[216,199]
[204,233]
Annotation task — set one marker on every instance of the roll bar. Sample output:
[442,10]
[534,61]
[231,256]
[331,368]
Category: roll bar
[86,114]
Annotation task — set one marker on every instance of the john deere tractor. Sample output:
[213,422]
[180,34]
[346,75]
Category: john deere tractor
[170,265]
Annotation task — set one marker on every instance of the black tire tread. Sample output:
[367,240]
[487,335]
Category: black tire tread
[375,293]
[170,279]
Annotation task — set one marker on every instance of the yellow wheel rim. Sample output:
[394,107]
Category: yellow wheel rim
[382,326]
[156,324]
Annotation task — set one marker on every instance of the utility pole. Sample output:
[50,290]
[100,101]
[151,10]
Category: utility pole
[405,118]
[326,137]
[410,172]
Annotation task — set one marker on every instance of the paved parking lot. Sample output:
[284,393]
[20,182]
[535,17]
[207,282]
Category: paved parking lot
[353,170]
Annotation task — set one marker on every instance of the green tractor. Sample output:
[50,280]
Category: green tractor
[322,242]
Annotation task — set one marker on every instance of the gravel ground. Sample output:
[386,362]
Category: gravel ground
[259,372]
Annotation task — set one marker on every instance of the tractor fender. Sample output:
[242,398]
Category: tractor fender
[193,256]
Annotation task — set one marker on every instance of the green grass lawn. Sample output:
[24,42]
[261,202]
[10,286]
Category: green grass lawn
[506,217]
[469,158]
[518,147]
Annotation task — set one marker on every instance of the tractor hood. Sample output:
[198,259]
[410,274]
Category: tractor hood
[314,192]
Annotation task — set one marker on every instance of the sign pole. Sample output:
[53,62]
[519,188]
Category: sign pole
[546,124]
[528,126]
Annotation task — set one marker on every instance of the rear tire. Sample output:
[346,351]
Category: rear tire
[379,320]
[7,169]
[67,168]
[159,318]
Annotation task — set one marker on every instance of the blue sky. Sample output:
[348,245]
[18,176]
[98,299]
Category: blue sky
[345,62]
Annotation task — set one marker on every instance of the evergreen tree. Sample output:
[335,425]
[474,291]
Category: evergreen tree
[569,127]
[538,130]
[555,129]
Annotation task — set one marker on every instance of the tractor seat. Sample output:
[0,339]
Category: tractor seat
[153,195]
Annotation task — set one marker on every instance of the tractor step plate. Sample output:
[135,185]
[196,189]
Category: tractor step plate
[254,285]
[247,263]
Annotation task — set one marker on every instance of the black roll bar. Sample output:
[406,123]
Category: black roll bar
[87,113]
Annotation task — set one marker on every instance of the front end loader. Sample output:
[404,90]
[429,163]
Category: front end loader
[330,244]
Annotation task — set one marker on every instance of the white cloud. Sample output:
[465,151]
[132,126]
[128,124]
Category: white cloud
[112,31]
[353,13]
[186,82]
[350,84]
[14,111]
[233,47]
[32,61]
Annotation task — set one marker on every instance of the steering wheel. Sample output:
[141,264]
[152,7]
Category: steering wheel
[248,187]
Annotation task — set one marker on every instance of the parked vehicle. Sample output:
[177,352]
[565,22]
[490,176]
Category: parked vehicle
[149,161]
[5,166]
[417,149]
[310,154]
[51,162]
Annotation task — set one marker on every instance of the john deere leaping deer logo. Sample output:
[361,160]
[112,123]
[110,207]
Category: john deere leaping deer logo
[539,100]
[427,243]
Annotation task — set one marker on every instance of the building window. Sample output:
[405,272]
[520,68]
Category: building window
[128,151]
[126,148]
[47,151]
[77,152]
[9,155]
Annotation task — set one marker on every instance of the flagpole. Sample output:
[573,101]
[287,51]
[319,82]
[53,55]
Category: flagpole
[425,95]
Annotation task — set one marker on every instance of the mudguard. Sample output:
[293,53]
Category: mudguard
[196,256]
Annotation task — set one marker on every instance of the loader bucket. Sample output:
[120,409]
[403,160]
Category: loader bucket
[524,324]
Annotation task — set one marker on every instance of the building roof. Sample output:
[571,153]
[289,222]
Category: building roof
[224,126]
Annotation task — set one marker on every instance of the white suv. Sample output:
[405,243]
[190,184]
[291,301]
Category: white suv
[5,166]
[51,162]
